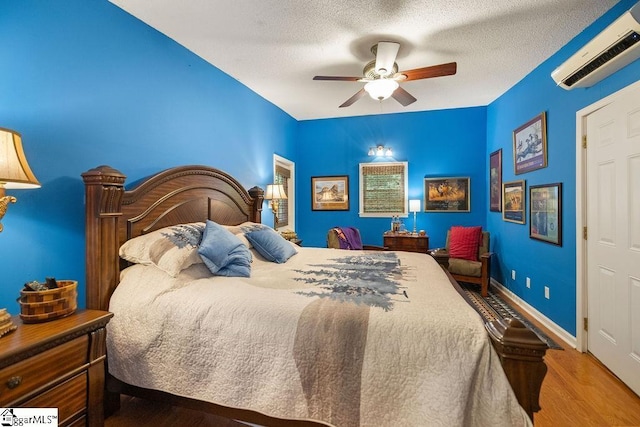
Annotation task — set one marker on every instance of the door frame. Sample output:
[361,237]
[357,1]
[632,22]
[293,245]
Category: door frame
[582,301]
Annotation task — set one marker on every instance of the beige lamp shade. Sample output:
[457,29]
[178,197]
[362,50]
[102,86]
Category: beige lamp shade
[14,169]
[275,192]
[414,205]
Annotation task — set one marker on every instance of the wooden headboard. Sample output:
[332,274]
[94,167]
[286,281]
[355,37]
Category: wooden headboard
[179,195]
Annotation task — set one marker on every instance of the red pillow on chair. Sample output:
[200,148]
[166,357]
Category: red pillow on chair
[464,242]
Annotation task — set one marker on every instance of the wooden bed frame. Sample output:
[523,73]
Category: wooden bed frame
[196,193]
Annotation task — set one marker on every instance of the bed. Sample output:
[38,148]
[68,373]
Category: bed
[399,346]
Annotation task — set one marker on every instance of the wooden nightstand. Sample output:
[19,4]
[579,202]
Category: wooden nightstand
[406,242]
[59,364]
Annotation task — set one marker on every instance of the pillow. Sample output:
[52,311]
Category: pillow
[223,253]
[171,249]
[464,242]
[240,230]
[271,245]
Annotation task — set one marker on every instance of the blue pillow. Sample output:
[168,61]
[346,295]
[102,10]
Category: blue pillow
[223,253]
[271,245]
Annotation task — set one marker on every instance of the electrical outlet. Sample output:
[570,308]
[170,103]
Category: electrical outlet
[528,282]
[513,275]
[546,292]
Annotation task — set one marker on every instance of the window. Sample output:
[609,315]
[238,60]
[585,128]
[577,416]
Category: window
[383,189]
[282,176]
[284,173]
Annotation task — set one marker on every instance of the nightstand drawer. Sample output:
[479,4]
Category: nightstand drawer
[406,242]
[70,398]
[22,378]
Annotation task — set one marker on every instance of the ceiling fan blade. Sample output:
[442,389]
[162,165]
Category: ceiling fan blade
[403,97]
[337,78]
[354,98]
[429,72]
[386,53]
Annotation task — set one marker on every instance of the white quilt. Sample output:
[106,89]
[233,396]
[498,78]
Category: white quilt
[352,338]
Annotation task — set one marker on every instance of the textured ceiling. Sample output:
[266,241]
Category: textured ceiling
[275,47]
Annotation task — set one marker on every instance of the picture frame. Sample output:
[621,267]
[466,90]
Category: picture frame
[530,145]
[330,193]
[495,181]
[447,194]
[514,201]
[384,189]
[545,213]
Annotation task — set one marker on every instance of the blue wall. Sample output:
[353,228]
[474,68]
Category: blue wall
[87,84]
[546,264]
[434,143]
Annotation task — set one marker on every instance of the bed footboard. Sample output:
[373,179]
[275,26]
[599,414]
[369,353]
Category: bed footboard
[522,355]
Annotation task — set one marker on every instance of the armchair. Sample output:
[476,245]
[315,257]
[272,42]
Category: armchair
[476,271]
[348,238]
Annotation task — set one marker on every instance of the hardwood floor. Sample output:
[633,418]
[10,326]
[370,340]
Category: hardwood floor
[577,391]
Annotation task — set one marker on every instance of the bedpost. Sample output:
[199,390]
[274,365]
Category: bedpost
[257,194]
[104,188]
[522,355]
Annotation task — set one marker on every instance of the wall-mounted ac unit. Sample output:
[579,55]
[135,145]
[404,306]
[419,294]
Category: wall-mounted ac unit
[616,46]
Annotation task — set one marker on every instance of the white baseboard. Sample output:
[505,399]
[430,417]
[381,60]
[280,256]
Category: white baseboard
[531,311]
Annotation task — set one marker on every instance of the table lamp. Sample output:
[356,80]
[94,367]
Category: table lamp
[15,172]
[414,206]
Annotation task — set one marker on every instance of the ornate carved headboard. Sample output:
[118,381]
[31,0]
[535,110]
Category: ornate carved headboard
[175,196]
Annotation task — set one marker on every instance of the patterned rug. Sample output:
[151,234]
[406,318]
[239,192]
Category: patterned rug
[494,307]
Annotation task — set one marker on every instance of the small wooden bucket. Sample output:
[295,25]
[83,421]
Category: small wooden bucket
[41,306]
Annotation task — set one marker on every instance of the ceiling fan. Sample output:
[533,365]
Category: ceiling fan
[382,76]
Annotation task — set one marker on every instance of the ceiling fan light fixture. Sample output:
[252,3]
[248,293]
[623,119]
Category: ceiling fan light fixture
[381,89]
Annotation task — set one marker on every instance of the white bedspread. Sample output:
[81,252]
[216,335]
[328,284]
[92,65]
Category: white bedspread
[308,339]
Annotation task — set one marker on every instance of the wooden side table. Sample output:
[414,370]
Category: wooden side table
[59,364]
[406,242]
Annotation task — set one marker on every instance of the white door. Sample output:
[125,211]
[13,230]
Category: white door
[613,244]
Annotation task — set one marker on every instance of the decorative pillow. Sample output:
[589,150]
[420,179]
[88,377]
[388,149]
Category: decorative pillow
[223,253]
[240,230]
[271,245]
[171,249]
[464,242]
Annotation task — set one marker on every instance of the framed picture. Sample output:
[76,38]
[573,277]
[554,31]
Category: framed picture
[495,181]
[447,194]
[545,213]
[383,189]
[530,145]
[330,193]
[513,201]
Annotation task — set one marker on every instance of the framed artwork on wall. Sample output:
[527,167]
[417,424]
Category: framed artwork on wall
[330,193]
[495,181]
[447,194]
[513,201]
[545,213]
[383,189]
[530,145]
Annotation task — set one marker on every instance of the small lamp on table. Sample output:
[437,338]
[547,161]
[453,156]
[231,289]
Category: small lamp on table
[15,173]
[414,206]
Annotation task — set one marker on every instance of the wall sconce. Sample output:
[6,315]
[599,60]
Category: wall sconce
[414,206]
[380,151]
[275,193]
[15,172]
